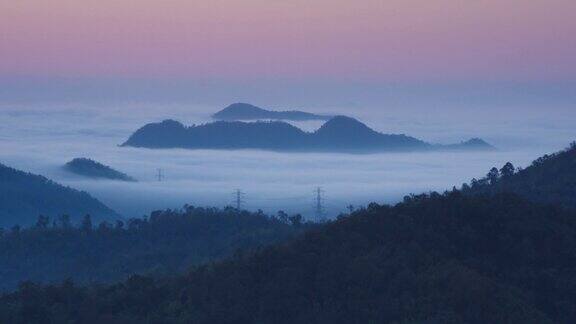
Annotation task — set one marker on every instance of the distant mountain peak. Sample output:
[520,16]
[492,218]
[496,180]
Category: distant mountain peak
[341,122]
[477,143]
[246,111]
[242,107]
[172,123]
[346,129]
[93,169]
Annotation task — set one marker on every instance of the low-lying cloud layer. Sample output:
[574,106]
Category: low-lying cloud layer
[42,139]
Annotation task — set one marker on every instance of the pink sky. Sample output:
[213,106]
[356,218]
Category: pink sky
[390,40]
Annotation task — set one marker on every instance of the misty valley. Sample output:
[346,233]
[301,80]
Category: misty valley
[287,162]
[267,216]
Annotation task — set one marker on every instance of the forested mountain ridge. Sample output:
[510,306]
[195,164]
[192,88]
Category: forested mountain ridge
[434,258]
[549,179]
[166,242]
[339,134]
[476,255]
[24,196]
[244,111]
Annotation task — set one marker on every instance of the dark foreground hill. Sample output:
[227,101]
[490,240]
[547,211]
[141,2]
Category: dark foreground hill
[24,196]
[434,258]
[244,111]
[92,169]
[167,242]
[339,134]
[549,179]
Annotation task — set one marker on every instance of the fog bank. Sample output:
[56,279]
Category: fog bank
[41,138]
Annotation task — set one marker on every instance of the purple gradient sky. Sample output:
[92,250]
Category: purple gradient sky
[393,40]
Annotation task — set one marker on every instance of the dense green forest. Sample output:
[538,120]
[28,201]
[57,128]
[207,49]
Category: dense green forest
[550,179]
[434,258]
[164,243]
[24,196]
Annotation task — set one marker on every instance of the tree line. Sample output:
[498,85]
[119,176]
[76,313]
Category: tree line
[165,242]
[434,258]
[550,179]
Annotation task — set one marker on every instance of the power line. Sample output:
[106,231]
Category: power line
[302,197]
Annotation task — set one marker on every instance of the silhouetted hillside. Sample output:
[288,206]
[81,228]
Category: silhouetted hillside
[166,242]
[90,168]
[24,196]
[432,259]
[218,135]
[471,144]
[244,111]
[339,134]
[550,179]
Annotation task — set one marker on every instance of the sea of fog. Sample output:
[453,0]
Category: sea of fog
[41,138]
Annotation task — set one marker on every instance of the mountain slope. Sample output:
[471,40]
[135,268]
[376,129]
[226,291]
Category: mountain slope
[471,144]
[550,179]
[166,242]
[244,111]
[339,134]
[432,259]
[218,135]
[24,196]
[92,169]
[347,132]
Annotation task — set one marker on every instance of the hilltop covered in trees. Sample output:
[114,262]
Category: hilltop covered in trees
[550,179]
[24,196]
[339,134]
[164,243]
[93,169]
[449,258]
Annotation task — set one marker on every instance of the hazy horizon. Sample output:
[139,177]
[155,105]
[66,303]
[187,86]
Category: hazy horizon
[77,78]
[40,138]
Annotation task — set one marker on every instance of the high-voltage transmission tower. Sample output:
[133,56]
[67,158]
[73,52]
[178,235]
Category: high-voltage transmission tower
[159,175]
[238,198]
[318,205]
